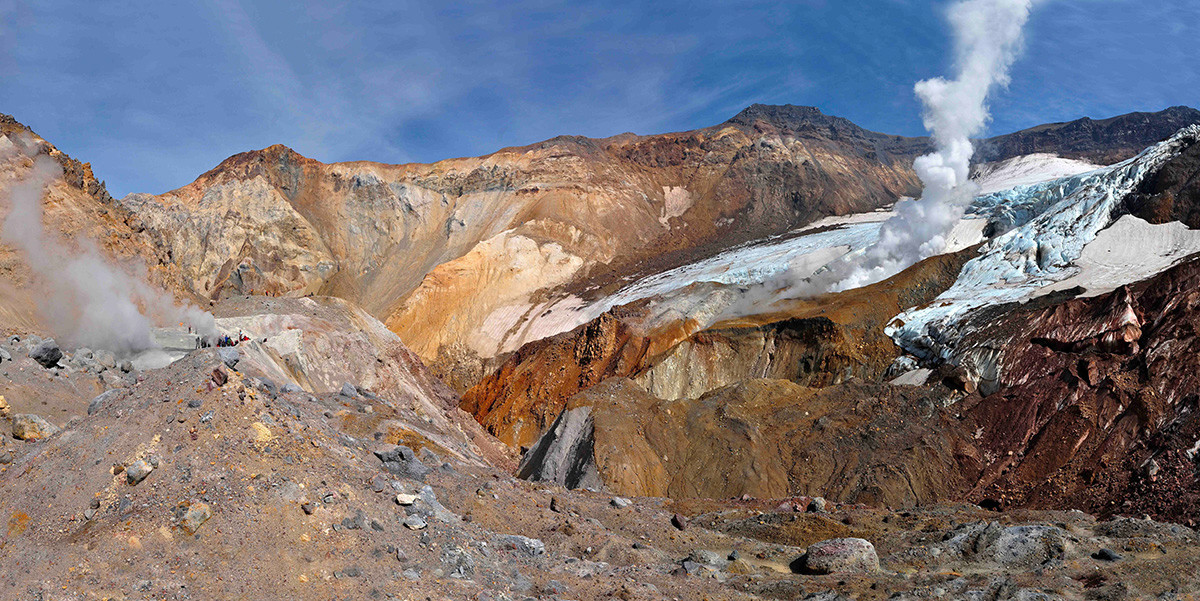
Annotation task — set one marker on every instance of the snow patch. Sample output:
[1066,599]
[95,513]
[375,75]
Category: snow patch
[1129,251]
[677,200]
[1026,170]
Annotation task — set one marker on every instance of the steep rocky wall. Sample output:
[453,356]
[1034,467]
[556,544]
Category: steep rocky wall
[77,210]
[414,243]
[1098,406]
[773,438]
[518,401]
[812,342]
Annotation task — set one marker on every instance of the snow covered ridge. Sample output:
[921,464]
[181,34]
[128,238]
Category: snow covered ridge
[1026,169]
[1051,224]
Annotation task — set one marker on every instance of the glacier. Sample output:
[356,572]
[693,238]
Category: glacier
[1045,229]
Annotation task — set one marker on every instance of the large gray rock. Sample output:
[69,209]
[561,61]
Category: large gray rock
[229,356]
[840,556]
[523,546]
[708,558]
[26,426]
[564,454]
[402,461]
[1028,547]
[101,400]
[106,359]
[46,353]
[1031,546]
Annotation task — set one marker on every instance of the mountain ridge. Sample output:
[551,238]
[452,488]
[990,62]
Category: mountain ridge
[807,119]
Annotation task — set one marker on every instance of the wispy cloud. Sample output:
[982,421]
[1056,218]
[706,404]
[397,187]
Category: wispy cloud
[154,94]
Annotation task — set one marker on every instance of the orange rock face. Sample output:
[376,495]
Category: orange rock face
[461,257]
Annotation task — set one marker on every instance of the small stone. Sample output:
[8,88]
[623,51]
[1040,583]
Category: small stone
[620,502]
[414,522]
[734,555]
[679,522]
[126,366]
[89,513]
[137,471]
[406,499]
[26,426]
[307,508]
[401,556]
[555,506]
[1107,554]
[219,377]
[817,505]
[348,390]
[5,410]
[194,517]
[195,403]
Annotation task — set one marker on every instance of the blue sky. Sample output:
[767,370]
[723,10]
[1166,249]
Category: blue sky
[155,93]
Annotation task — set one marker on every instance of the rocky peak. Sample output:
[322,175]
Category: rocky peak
[790,117]
[75,173]
[267,161]
[1103,141]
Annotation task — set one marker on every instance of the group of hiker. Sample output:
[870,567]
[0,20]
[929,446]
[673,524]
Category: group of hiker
[225,340]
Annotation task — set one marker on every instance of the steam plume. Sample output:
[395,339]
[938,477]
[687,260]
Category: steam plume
[86,300]
[987,37]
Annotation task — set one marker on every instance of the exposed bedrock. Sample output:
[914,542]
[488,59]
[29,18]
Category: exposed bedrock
[772,439]
[806,342]
[1095,407]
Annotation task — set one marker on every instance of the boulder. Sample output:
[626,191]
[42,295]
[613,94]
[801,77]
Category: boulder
[523,546]
[840,556]
[708,558]
[46,353]
[26,426]
[101,400]
[1031,546]
[106,359]
[229,356]
[402,461]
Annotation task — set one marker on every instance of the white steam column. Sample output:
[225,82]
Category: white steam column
[987,37]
